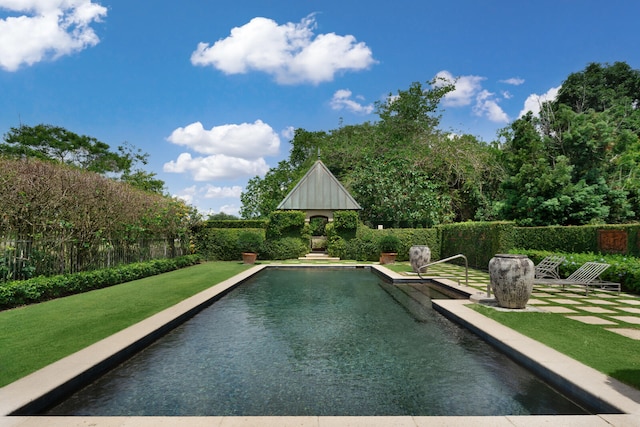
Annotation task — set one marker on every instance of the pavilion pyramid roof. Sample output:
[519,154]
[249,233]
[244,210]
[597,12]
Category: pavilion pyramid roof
[319,189]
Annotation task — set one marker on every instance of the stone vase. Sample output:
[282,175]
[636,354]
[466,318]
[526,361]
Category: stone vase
[419,255]
[511,279]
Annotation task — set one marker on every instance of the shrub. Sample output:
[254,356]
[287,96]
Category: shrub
[624,269]
[389,243]
[38,289]
[249,241]
[285,224]
[285,248]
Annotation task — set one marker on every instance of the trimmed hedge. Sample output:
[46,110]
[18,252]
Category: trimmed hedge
[365,243]
[478,241]
[39,289]
[580,239]
[236,223]
[624,269]
[221,244]
[286,224]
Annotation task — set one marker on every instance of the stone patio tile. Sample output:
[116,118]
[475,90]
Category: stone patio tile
[542,294]
[628,319]
[534,301]
[630,309]
[558,309]
[564,301]
[598,301]
[629,301]
[592,320]
[600,310]
[629,333]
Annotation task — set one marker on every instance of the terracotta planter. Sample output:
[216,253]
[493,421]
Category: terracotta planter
[388,257]
[419,255]
[511,279]
[249,257]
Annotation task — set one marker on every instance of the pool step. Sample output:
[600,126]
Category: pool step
[318,256]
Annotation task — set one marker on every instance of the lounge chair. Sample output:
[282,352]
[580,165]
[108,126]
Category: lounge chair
[548,267]
[587,275]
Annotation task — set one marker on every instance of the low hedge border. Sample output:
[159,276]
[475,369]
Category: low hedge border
[39,289]
[624,269]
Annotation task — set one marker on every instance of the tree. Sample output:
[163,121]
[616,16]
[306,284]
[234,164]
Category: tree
[262,195]
[574,163]
[411,112]
[600,86]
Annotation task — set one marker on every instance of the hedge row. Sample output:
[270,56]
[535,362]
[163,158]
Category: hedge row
[38,289]
[582,239]
[364,243]
[223,244]
[236,223]
[624,269]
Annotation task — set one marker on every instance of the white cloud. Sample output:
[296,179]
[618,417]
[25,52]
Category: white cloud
[43,29]
[469,91]
[246,140]
[515,81]
[288,133]
[534,101]
[487,106]
[288,52]
[213,192]
[466,88]
[217,166]
[342,101]
[230,210]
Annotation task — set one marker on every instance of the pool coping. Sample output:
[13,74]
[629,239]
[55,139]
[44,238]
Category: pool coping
[38,389]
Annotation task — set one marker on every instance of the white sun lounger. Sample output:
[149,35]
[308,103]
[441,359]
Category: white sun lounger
[587,275]
[548,267]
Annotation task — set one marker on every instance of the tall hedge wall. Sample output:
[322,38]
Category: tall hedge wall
[580,239]
[478,241]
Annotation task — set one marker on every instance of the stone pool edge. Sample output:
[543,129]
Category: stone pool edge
[31,389]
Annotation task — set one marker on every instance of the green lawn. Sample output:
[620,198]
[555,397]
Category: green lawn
[607,352]
[34,336]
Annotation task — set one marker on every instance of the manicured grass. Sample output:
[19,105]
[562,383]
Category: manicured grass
[34,336]
[605,351]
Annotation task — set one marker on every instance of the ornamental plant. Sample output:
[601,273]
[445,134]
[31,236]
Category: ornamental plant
[389,243]
[249,241]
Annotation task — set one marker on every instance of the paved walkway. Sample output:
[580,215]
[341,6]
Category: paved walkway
[605,309]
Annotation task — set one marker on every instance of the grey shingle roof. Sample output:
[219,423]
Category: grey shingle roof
[319,189]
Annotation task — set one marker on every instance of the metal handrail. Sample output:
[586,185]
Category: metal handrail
[466,267]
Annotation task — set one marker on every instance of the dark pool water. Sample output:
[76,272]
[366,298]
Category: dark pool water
[316,342]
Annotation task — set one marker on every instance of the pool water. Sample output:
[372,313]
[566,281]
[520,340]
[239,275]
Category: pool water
[316,341]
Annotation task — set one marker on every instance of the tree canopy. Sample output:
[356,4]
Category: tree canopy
[575,162]
[55,143]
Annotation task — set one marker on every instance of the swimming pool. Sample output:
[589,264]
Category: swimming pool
[316,342]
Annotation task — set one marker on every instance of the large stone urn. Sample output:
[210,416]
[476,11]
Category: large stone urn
[419,256]
[511,279]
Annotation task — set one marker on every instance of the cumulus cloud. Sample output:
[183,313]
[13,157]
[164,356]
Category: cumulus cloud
[342,101]
[214,192]
[468,91]
[288,133]
[487,106]
[288,52]
[466,87]
[218,166]
[247,140]
[227,151]
[534,101]
[515,81]
[44,29]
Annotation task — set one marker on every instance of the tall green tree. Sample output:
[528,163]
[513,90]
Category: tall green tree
[574,163]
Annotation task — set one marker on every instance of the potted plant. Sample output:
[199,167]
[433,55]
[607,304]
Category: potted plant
[389,245]
[250,244]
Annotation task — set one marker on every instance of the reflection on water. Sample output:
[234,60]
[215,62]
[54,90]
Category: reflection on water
[316,342]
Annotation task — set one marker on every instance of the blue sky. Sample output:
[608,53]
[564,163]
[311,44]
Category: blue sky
[212,90]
